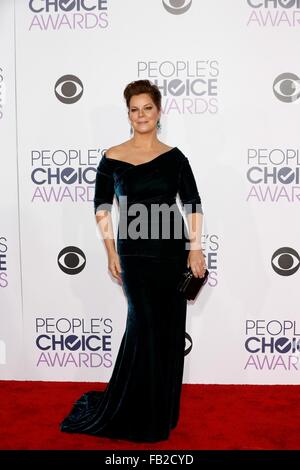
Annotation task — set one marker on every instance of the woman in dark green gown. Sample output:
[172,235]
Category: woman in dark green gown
[142,399]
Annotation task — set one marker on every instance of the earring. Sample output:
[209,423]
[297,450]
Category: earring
[158,125]
[131,130]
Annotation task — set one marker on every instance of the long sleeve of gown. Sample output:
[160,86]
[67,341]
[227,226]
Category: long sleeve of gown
[187,189]
[104,187]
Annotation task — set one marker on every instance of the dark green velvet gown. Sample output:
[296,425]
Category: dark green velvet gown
[142,399]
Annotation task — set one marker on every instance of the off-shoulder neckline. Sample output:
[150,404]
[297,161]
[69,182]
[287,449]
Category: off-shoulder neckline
[139,164]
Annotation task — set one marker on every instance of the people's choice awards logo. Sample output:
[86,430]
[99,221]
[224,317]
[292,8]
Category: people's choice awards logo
[68,15]
[274,175]
[285,261]
[3,262]
[286,87]
[74,342]
[272,344]
[64,175]
[187,86]
[273,13]
[177,7]
[68,89]
[2,93]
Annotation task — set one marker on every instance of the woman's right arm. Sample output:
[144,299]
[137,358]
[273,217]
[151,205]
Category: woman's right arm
[104,223]
[103,200]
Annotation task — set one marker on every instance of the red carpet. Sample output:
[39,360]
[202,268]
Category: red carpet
[212,417]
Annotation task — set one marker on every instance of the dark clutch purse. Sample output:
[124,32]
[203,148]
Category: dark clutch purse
[189,285]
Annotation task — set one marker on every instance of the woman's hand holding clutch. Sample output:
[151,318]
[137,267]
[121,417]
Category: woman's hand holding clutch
[197,262]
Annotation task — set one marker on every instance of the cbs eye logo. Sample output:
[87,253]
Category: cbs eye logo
[286,87]
[177,7]
[68,89]
[71,260]
[285,261]
[188,344]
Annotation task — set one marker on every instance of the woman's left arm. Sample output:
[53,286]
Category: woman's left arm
[196,258]
[191,200]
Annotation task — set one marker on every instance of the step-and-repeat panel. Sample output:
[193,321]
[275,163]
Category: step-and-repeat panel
[229,77]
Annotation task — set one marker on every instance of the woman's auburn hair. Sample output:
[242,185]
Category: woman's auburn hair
[142,86]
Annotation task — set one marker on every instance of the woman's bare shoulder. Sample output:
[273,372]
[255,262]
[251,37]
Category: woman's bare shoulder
[123,150]
[166,147]
[117,152]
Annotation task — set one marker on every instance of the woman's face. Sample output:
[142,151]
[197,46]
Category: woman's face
[143,113]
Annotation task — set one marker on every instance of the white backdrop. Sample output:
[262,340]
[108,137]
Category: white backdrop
[229,75]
